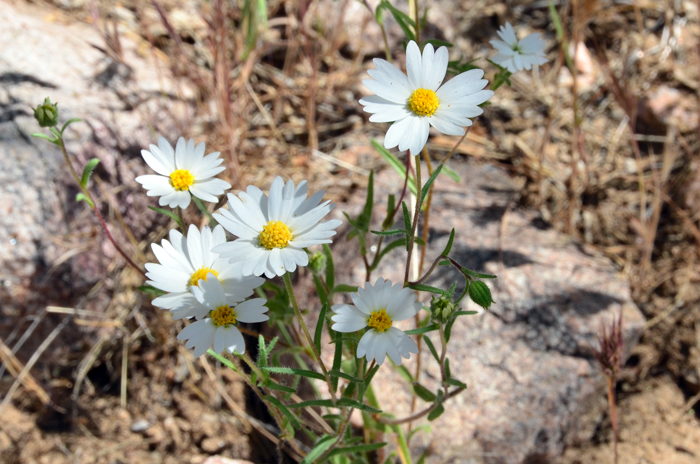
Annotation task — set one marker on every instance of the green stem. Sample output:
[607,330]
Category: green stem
[290,291]
[86,192]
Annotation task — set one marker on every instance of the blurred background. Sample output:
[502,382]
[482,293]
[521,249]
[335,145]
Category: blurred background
[590,160]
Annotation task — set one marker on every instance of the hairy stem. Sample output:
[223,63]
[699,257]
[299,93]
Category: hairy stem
[290,291]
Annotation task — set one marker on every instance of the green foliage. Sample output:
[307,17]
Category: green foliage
[480,294]
[87,171]
[170,214]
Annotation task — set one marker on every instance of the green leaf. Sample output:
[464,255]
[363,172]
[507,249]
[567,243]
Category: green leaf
[437,43]
[151,290]
[456,383]
[330,266]
[277,387]
[391,206]
[82,197]
[478,275]
[432,349]
[387,249]
[366,217]
[87,171]
[343,288]
[68,123]
[449,172]
[406,219]
[423,393]
[426,288]
[222,360]
[396,164]
[466,313]
[447,368]
[171,215]
[422,330]
[292,418]
[347,402]
[337,356]
[262,352]
[435,413]
[480,294]
[291,371]
[320,290]
[404,21]
[448,247]
[448,329]
[356,449]
[312,403]
[205,211]
[405,373]
[386,233]
[341,374]
[321,446]
[46,137]
[319,326]
[426,188]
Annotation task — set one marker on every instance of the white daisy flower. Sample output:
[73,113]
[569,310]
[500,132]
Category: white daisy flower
[184,262]
[377,308]
[183,171]
[218,330]
[417,102]
[272,231]
[516,55]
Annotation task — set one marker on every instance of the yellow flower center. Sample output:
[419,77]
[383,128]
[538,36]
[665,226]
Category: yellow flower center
[275,234]
[201,274]
[379,320]
[181,179]
[223,316]
[423,102]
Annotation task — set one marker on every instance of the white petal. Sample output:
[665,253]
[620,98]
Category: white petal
[414,65]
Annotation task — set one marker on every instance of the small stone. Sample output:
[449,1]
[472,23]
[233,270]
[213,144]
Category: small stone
[212,445]
[140,425]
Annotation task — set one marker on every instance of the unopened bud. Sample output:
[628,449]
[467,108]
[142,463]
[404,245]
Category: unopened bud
[46,114]
[480,294]
[442,308]
[317,263]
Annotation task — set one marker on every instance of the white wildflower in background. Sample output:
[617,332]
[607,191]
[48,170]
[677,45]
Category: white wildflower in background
[186,261]
[218,330]
[516,55]
[182,172]
[272,231]
[418,101]
[377,307]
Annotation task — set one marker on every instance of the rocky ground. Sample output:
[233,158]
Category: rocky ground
[575,223]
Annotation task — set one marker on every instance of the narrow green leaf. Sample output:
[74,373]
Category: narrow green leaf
[456,383]
[449,172]
[405,373]
[422,330]
[450,241]
[43,136]
[321,446]
[423,393]
[222,360]
[277,387]
[313,403]
[448,374]
[318,333]
[347,402]
[448,329]
[404,21]
[478,275]
[292,418]
[466,313]
[341,374]
[395,163]
[337,357]
[151,290]
[432,349]
[87,171]
[386,250]
[170,214]
[291,371]
[435,413]
[386,233]
[68,123]
[366,216]
[343,288]
[356,449]
[391,206]
[262,352]
[330,266]
[320,289]
[426,288]
[426,188]
[406,219]
[82,197]
[205,211]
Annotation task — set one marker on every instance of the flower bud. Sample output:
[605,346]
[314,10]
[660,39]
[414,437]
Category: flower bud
[480,294]
[442,308]
[46,114]
[317,263]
